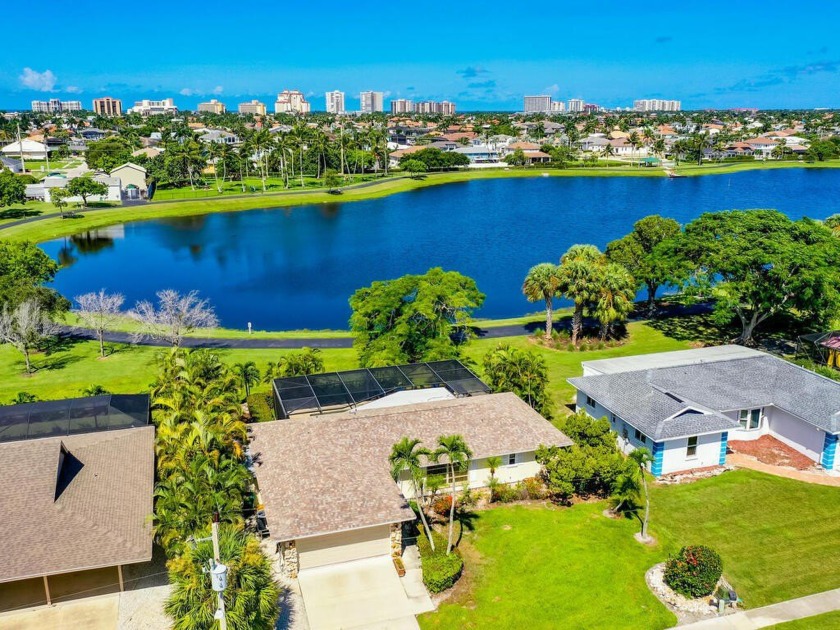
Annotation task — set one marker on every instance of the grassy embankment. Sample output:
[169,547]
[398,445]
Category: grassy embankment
[52,226]
[69,368]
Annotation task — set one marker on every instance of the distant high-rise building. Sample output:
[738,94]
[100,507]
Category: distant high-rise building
[402,106]
[212,107]
[147,107]
[558,107]
[335,102]
[592,108]
[445,108]
[537,104]
[291,102]
[576,105]
[371,102]
[255,107]
[56,106]
[656,105]
[107,106]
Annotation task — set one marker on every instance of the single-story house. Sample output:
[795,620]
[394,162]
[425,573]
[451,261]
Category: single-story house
[685,406]
[76,490]
[93,134]
[132,180]
[325,480]
[28,149]
[480,154]
[15,166]
[42,190]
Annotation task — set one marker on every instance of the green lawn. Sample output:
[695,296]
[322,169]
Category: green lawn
[826,621]
[778,538]
[544,567]
[563,364]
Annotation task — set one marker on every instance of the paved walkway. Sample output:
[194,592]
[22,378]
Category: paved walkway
[771,615]
[746,461]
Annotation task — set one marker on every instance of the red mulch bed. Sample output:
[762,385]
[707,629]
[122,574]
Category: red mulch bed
[769,450]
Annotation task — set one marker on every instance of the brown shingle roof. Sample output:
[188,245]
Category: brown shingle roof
[330,473]
[101,516]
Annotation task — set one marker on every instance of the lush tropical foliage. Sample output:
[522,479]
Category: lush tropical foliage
[523,372]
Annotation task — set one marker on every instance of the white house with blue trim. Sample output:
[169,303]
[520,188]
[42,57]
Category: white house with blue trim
[685,406]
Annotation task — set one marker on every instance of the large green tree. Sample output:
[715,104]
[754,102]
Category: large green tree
[108,153]
[12,188]
[251,597]
[523,372]
[413,318]
[639,252]
[85,187]
[24,269]
[615,297]
[760,263]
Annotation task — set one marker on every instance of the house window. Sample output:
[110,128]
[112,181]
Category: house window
[511,459]
[640,437]
[750,419]
[691,449]
[442,470]
[590,402]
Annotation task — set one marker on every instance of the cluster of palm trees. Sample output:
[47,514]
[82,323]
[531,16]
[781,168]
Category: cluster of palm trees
[307,361]
[603,289]
[407,458]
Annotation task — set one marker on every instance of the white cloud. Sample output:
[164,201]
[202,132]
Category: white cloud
[73,89]
[40,81]
[218,89]
[186,92]
[552,89]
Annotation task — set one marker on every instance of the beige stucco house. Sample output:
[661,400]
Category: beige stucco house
[133,178]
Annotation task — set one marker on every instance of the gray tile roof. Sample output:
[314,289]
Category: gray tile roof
[95,515]
[330,473]
[648,398]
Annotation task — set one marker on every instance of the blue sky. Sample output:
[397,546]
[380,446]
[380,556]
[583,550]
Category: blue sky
[482,55]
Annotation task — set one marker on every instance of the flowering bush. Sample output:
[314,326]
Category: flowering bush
[694,571]
[442,505]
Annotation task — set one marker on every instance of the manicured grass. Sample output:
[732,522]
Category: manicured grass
[778,538]
[753,165]
[544,567]
[826,621]
[66,371]
[547,567]
[563,364]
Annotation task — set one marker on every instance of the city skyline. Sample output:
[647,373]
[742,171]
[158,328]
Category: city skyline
[662,59]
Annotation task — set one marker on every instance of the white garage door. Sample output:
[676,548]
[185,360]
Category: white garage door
[345,546]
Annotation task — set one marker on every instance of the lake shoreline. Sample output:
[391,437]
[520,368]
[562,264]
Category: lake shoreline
[52,226]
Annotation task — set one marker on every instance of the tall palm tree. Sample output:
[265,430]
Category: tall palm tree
[615,297]
[454,452]
[405,456]
[580,281]
[249,374]
[642,457]
[543,283]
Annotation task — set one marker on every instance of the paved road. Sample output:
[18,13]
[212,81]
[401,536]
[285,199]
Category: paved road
[789,610]
[289,193]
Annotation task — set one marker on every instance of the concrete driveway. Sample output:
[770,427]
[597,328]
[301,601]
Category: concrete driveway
[359,594]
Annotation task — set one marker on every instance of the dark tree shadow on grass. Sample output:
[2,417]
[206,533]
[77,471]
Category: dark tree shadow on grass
[19,213]
[466,521]
[699,327]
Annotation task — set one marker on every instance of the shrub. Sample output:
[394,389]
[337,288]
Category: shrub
[260,407]
[694,571]
[440,571]
[534,488]
[442,505]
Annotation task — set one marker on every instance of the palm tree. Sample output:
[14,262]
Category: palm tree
[405,456]
[543,283]
[580,281]
[455,453]
[642,457]
[493,463]
[615,297]
[249,374]
[607,152]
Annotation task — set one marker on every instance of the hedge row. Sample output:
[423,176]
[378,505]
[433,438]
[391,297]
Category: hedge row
[260,407]
[440,571]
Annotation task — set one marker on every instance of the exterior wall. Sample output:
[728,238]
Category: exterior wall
[829,459]
[746,435]
[289,562]
[356,544]
[674,457]
[796,433]
[625,432]
[130,175]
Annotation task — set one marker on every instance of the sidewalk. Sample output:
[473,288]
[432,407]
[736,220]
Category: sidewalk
[773,614]
[746,461]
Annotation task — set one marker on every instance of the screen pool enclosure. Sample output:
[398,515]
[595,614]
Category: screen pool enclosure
[317,393]
[57,418]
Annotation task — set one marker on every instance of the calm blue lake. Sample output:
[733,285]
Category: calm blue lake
[296,267]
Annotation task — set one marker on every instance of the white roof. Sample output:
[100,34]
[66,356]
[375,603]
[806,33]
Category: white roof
[409,397]
[668,359]
[29,146]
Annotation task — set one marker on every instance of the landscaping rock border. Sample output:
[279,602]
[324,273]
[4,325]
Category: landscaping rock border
[687,610]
